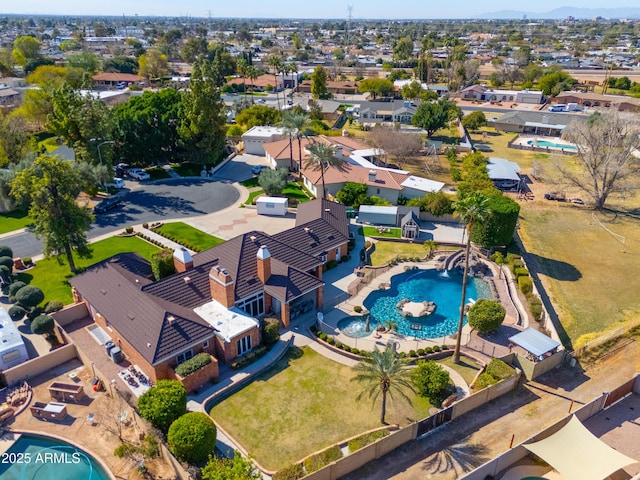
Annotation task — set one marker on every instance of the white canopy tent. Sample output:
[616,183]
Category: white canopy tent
[577,454]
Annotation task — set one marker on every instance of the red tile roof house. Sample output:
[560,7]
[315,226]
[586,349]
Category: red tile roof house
[213,302]
[107,79]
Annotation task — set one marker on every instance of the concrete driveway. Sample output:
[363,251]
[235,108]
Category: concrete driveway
[239,168]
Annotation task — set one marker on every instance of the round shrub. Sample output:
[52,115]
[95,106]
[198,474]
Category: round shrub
[16,313]
[436,348]
[525,284]
[163,403]
[13,289]
[331,340]
[357,309]
[192,437]
[29,296]
[7,262]
[428,350]
[429,378]
[421,352]
[271,333]
[53,306]
[5,273]
[444,347]
[6,251]
[413,353]
[42,324]
[486,315]
[34,312]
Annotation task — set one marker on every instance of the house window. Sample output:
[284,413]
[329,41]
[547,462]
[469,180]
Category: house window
[205,344]
[183,357]
[377,191]
[323,257]
[254,305]
[244,344]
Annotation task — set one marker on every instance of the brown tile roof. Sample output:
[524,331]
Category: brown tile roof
[191,293]
[261,81]
[154,327]
[355,173]
[280,148]
[287,283]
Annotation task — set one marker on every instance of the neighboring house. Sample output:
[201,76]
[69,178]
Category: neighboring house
[333,87]
[260,83]
[590,99]
[215,299]
[535,123]
[256,137]
[9,97]
[109,80]
[485,94]
[396,111]
[441,90]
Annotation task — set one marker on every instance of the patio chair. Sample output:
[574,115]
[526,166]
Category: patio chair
[91,419]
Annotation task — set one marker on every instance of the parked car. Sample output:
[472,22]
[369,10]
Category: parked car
[138,174]
[107,204]
[257,169]
[116,183]
[482,148]
[121,169]
[577,201]
[558,196]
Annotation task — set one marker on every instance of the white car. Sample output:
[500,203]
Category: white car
[116,183]
[138,174]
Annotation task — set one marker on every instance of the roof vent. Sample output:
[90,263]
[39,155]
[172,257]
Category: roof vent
[327,209]
[148,345]
[252,238]
[308,229]
[171,319]
[187,280]
[372,175]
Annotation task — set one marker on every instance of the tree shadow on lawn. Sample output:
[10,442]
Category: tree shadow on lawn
[293,353]
[556,269]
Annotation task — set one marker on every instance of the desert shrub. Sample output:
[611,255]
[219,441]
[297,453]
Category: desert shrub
[193,364]
[525,284]
[42,324]
[486,315]
[192,437]
[319,460]
[364,440]
[292,472]
[7,262]
[357,309]
[29,296]
[53,306]
[429,378]
[6,251]
[499,370]
[129,229]
[163,403]
[521,272]
[162,264]
[16,312]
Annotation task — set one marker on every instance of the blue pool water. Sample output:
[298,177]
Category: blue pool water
[43,458]
[545,143]
[443,288]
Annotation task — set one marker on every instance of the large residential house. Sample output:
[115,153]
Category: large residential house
[110,80]
[589,99]
[215,299]
[333,87]
[485,94]
[535,123]
[396,111]
[359,165]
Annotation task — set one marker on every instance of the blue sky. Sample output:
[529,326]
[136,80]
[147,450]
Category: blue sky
[295,9]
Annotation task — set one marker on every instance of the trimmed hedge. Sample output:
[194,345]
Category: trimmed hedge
[521,272]
[535,306]
[292,472]
[249,357]
[525,284]
[322,459]
[193,364]
[16,312]
[364,440]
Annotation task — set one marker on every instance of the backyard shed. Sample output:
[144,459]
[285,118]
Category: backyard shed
[272,206]
[504,174]
[12,349]
[376,215]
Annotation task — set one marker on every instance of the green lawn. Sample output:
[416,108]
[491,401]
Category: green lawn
[15,220]
[52,277]
[467,368]
[250,182]
[49,143]
[295,191]
[386,251]
[252,196]
[373,232]
[586,273]
[302,405]
[189,236]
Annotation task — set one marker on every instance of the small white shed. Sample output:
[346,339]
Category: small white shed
[272,206]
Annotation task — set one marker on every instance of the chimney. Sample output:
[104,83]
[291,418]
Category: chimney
[222,286]
[182,260]
[372,175]
[264,264]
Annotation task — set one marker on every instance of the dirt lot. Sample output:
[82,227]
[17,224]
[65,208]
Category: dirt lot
[475,438]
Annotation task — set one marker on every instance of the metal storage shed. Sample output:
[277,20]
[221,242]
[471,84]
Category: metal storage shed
[375,215]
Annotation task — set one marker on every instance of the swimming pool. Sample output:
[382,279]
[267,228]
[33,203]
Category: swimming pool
[34,457]
[546,143]
[443,288]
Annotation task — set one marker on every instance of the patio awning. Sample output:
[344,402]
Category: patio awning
[534,342]
[577,454]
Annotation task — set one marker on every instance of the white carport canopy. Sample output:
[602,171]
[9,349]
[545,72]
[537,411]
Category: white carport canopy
[577,454]
[534,342]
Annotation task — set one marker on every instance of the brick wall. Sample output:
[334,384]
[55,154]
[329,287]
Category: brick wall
[200,377]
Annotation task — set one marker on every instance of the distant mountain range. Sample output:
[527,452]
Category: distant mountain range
[564,12]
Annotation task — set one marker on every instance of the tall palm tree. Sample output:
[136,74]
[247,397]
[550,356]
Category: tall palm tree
[252,73]
[430,246]
[294,124]
[321,157]
[242,65]
[471,208]
[383,373]
[276,64]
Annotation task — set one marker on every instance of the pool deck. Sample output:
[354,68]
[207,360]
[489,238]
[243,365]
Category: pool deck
[7,439]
